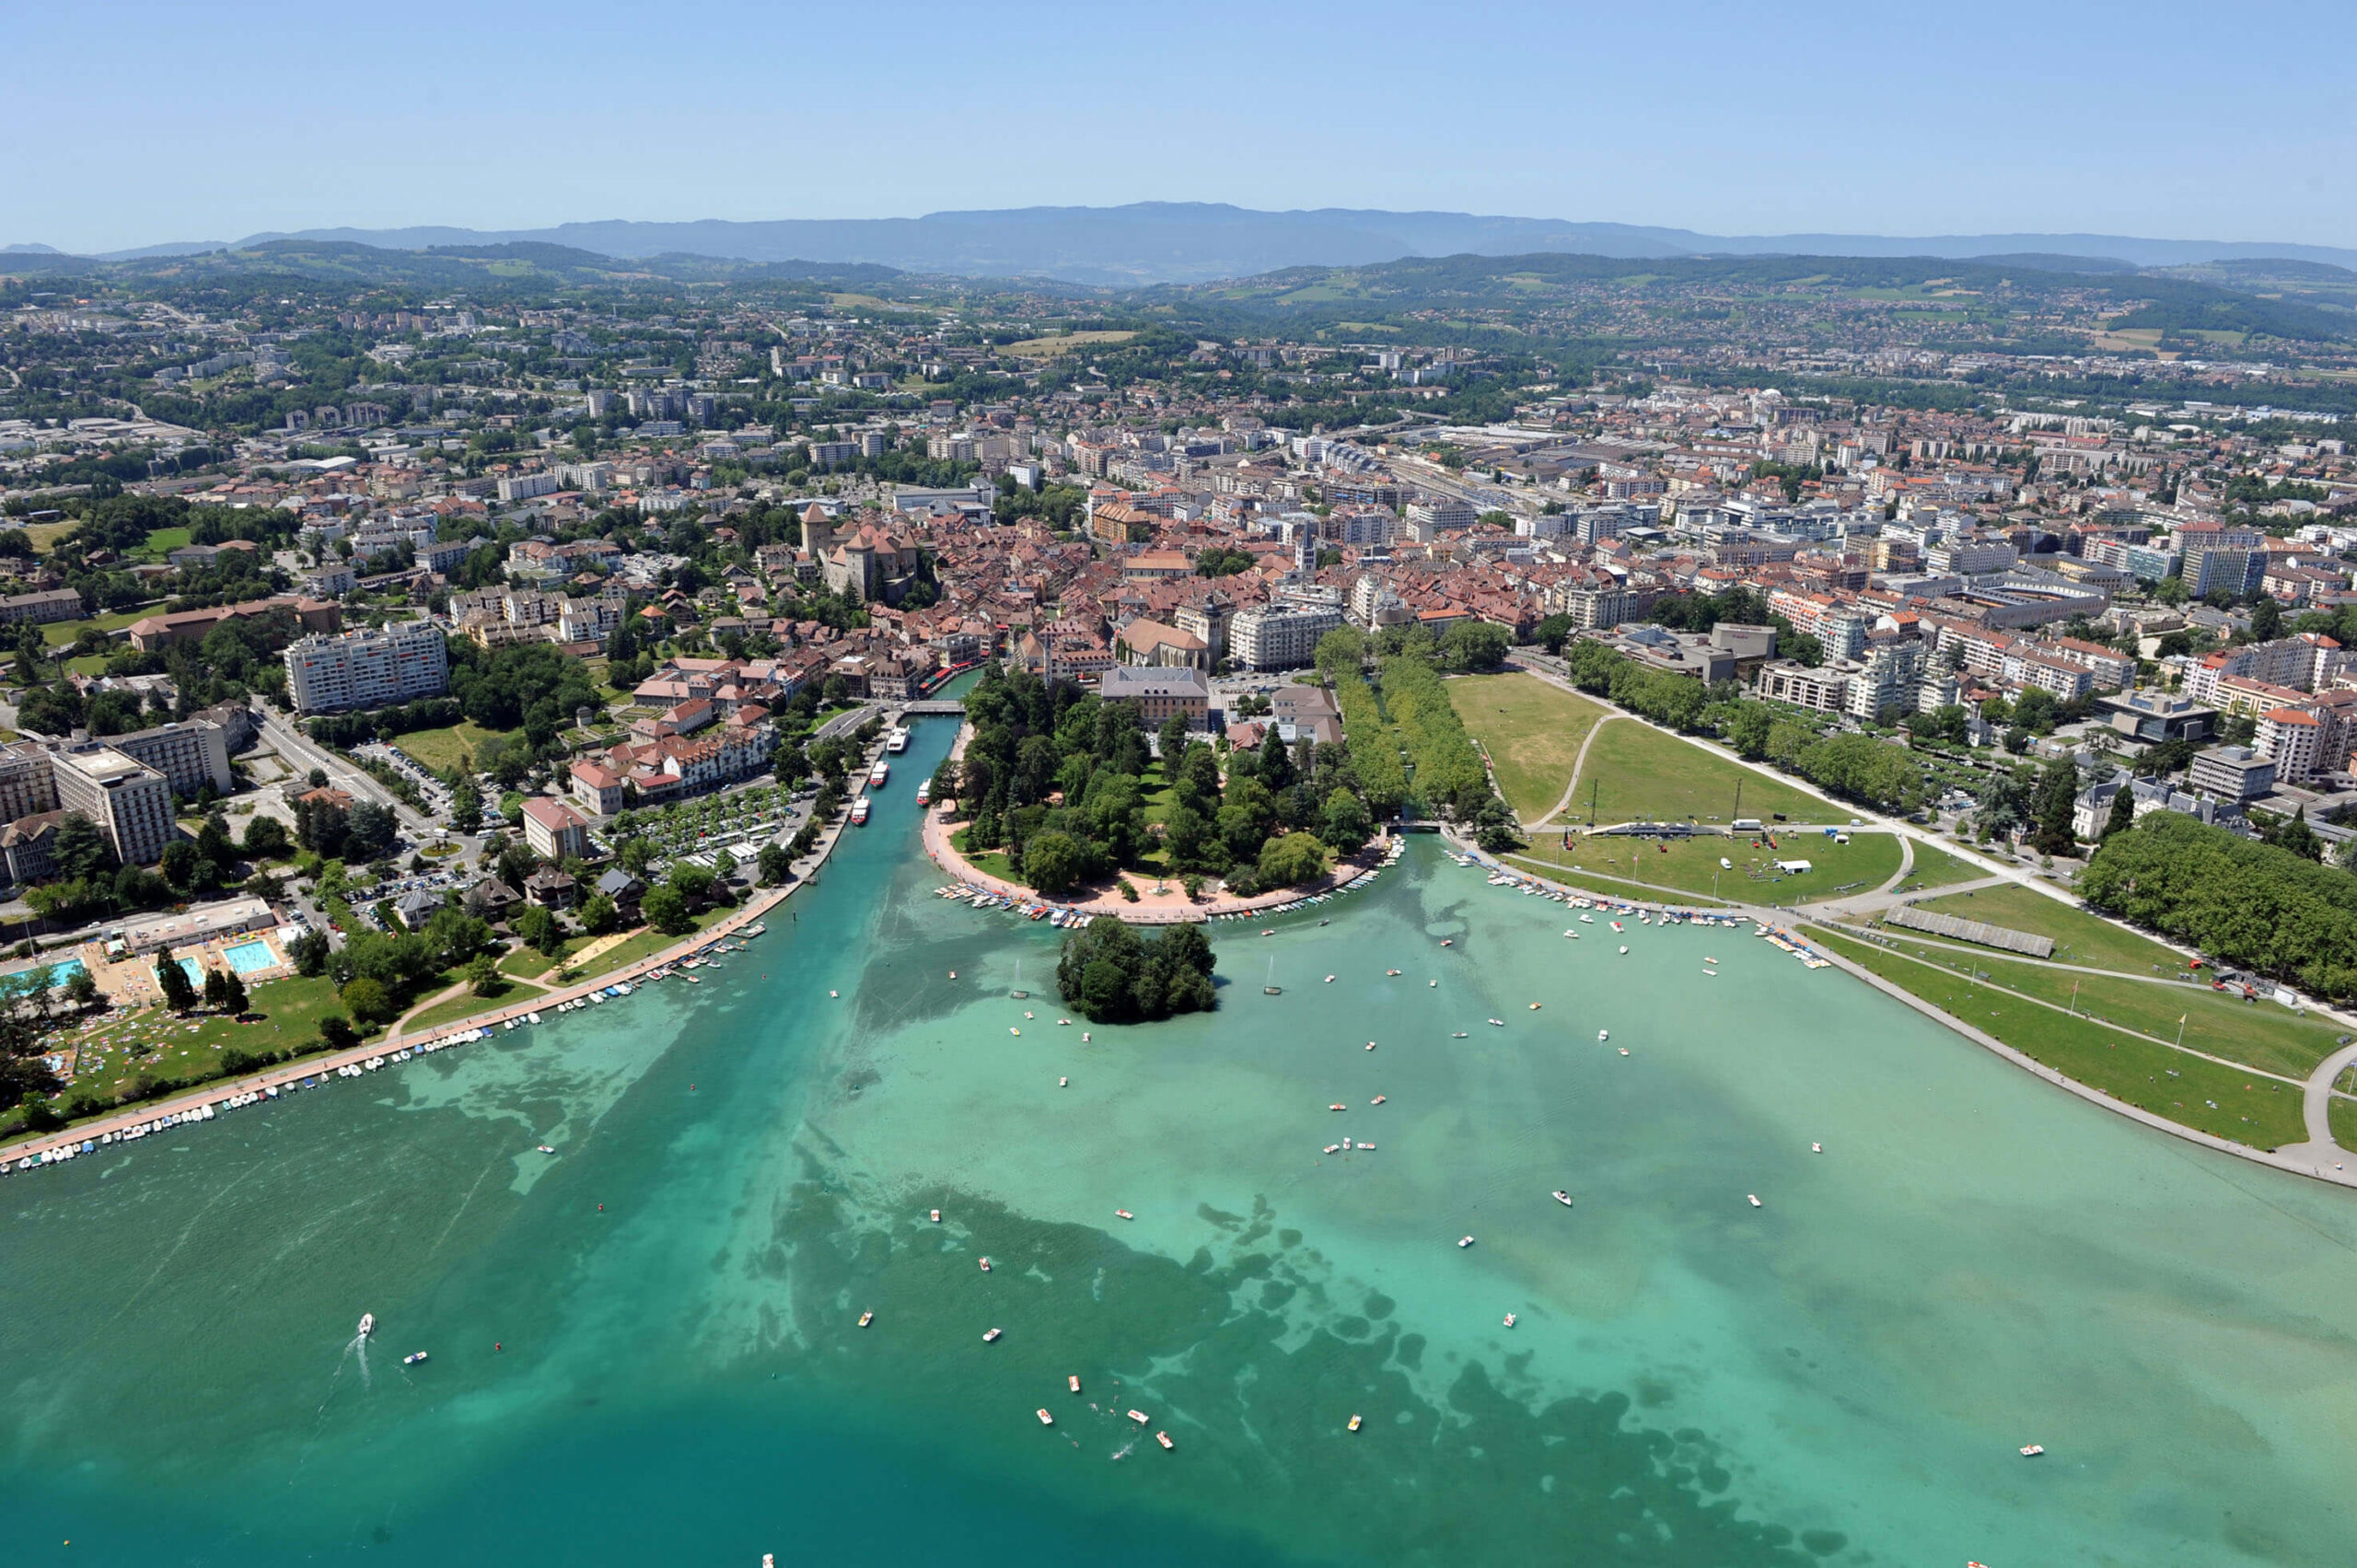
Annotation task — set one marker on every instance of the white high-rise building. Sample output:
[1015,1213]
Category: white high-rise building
[367,669]
[131,802]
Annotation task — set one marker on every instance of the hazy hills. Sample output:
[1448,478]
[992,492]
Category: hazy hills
[1158,242]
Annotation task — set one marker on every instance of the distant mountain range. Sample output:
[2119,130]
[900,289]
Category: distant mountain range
[1155,242]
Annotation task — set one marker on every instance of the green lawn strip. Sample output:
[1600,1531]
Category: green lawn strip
[1863,864]
[466,1004]
[1532,732]
[2170,1084]
[55,633]
[1558,871]
[2258,1034]
[2079,937]
[1937,869]
[163,542]
[2341,1116]
[645,944]
[1635,772]
[440,748]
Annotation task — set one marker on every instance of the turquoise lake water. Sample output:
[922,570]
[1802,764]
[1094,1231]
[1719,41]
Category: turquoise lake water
[1840,1376]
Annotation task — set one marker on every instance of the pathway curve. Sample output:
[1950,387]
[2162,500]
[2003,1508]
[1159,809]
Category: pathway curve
[2315,1106]
[2019,876]
[436,1000]
[1578,763]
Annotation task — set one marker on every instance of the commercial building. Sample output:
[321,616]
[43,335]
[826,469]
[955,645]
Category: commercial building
[131,802]
[367,669]
[2233,773]
[1279,637]
[202,922]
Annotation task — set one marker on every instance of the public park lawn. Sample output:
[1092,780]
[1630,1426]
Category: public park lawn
[1863,864]
[466,1004]
[1937,869]
[1532,732]
[2258,1111]
[440,748]
[284,1013]
[2079,937]
[646,944]
[2341,1115]
[1638,772]
[2258,1034]
[530,963]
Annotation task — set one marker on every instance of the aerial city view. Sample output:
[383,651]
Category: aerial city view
[802,791]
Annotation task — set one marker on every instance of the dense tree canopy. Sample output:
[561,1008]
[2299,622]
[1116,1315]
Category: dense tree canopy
[1116,976]
[2252,904]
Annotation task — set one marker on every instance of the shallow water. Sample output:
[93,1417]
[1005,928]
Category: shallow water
[1842,1375]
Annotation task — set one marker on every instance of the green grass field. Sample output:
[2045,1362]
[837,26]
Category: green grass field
[2258,1034]
[1937,869]
[1557,871]
[440,748]
[2079,937]
[58,633]
[2169,1084]
[1863,864]
[1637,772]
[466,1004]
[163,542]
[2341,1115]
[1532,732]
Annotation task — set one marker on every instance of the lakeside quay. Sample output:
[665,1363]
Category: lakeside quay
[221,1089]
[2306,1162]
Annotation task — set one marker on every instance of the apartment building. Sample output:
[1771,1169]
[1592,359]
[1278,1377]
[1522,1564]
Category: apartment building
[1279,637]
[1821,690]
[53,604]
[188,755]
[2292,739]
[367,669]
[131,802]
[555,831]
[27,782]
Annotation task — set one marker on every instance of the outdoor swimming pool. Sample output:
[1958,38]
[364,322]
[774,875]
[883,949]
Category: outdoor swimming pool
[59,973]
[247,956]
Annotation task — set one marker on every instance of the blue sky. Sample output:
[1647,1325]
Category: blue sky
[138,122]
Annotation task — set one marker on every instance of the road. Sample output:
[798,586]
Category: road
[303,754]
